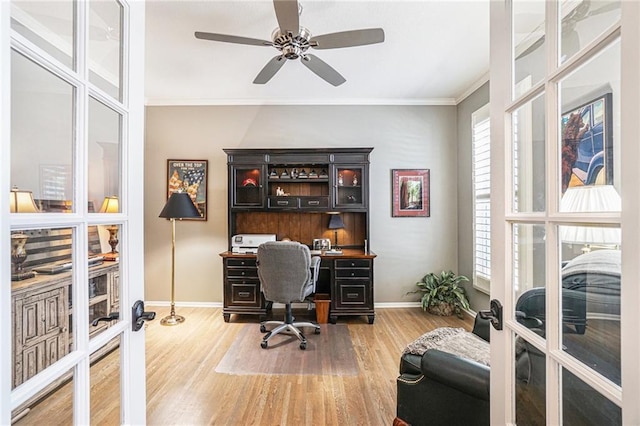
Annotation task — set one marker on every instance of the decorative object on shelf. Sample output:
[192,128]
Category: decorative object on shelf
[20,202]
[249,182]
[274,174]
[190,176]
[591,199]
[410,196]
[336,223]
[294,173]
[442,294]
[303,174]
[323,174]
[279,192]
[179,206]
[284,174]
[313,174]
[355,180]
[111,205]
[340,180]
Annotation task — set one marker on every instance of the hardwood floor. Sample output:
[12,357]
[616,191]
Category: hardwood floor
[184,389]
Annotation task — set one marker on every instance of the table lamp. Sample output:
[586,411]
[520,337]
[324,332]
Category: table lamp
[590,199]
[336,223]
[20,202]
[111,205]
[178,206]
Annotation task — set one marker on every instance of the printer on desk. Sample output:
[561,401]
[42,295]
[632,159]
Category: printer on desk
[248,243]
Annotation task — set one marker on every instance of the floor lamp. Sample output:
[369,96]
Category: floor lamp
[178,206]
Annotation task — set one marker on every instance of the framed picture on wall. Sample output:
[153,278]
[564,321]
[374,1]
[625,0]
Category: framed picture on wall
[189,176]
[587,144]
[410,193]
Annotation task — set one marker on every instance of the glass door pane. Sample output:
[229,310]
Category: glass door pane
[529,48]
[105,46]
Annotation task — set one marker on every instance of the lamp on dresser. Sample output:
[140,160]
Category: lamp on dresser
[20,202]
[111,205]
[178,206]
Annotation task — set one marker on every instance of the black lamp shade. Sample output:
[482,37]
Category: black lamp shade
[336,222]
[179,206]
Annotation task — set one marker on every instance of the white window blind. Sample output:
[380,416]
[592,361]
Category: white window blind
[481,159]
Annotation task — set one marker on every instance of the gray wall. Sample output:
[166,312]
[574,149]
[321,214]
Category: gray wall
[477,299]
[402,137]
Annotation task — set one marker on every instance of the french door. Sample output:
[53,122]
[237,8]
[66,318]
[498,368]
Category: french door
[71,237]
[566,235]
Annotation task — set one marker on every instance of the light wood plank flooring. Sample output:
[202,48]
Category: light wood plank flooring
[184,389]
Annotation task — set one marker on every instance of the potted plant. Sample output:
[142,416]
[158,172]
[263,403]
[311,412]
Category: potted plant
[443,294]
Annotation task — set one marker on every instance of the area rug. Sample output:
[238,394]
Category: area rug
[327,353]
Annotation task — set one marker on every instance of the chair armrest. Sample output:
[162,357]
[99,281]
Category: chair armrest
[315,270]
[460,373]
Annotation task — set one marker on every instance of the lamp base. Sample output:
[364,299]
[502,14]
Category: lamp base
[172,320]
[19,276]
[110,257]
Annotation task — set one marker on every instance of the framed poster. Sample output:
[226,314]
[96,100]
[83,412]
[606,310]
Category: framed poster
[587,145]
[189,176]
[410,188]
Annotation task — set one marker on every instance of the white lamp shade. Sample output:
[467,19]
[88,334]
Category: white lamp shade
[110,205]
[590,199]
[22,202]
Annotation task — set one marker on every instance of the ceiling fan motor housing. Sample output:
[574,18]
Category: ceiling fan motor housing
[292,46]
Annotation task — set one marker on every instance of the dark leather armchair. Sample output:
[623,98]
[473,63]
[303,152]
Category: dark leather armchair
[440,388]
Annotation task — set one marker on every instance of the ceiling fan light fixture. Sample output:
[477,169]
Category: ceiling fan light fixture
[295,45]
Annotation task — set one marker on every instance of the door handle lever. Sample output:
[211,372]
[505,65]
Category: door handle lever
[112,316]
[139,316]
[494,314]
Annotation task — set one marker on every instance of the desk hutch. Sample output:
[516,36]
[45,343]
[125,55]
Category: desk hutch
[291,193]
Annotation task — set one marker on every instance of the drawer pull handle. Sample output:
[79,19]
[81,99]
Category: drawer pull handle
[352,295]
[353,264]
[242,263]
[283,203]
[244,294]
[353,274]
[242,273]
[314,203]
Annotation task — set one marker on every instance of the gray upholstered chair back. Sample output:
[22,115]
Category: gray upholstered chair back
[284,271]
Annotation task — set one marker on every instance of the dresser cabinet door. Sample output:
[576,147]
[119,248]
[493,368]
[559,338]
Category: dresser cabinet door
[41,331]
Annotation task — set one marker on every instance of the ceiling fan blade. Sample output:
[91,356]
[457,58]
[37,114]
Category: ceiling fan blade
[287,14]
[348,38]
[322,69]
[232,39]
[269,70]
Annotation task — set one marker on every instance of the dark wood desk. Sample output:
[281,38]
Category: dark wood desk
[347,278]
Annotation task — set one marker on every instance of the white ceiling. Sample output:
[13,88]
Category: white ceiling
[435,51]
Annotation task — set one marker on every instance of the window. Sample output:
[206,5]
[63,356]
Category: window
[481,159]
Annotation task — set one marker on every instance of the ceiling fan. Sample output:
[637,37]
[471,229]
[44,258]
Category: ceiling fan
[293,41]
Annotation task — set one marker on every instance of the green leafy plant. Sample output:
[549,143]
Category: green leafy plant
[442,293]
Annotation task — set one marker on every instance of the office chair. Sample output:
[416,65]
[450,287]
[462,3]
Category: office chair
[287,274]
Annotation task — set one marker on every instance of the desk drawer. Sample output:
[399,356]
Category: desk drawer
[353,273]
[242,293]
[314,202]
[352,294]
[242,261]
[242,272]
[283,202]
[353,263]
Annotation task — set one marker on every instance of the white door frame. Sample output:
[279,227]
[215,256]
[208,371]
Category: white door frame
[131,221]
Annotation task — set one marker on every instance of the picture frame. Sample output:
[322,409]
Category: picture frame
[321,244]
[410,193]
[189,176]
[587,143]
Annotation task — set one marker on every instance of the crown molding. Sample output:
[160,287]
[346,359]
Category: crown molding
[236,102]
[475,86]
